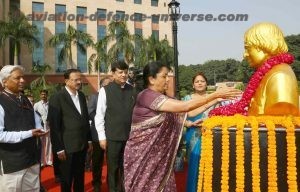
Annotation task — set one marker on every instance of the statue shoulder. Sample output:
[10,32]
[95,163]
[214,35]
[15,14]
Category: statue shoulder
[281,91]
[281,73]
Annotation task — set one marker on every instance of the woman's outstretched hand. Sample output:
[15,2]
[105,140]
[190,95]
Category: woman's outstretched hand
[227,93]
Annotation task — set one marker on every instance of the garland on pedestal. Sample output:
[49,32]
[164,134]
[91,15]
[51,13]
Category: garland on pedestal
[239,121]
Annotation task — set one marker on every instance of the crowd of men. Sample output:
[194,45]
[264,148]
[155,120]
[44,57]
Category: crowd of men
[61,132]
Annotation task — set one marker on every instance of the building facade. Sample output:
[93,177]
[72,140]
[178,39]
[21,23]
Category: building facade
[4,51]
[93,16]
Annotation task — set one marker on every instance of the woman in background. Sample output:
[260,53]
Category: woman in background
[193,132]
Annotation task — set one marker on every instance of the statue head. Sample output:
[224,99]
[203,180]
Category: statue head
[262,41]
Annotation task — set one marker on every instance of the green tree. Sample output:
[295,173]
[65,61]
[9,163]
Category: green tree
[165,52]
[293,42]
[123,42]
[141,56]
[40,82]
[100,57]
[18,31]
[152,49]
[67,39]
[244,72]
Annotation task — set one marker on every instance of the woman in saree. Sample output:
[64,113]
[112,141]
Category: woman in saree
[156,129]
[193,132]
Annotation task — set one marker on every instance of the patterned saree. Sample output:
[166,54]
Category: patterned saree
[151,149]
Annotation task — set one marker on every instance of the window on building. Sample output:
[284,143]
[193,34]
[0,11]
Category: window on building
[137,17]
[120,15]
[155,19]
[137,43]
[60,27]
[101,15]
[38,51]
[155,26]
[37,7]
[101,32]
[120,0]
[81,55]
[137,1]
[155,33]
[101,25]
[154,3]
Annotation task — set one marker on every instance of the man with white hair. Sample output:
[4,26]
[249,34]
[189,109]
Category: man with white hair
[20,128]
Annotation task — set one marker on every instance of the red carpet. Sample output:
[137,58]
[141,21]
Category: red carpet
[51,186]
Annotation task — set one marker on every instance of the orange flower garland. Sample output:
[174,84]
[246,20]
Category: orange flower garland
[206,168]
[240,156]
[255,154]
[201,166]
[291,154]
[272,159]
[225,157]
[209,162]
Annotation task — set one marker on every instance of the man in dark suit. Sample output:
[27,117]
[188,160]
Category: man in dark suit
[69,123]
[98,152]
[113,121]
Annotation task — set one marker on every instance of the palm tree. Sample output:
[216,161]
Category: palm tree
[166,52]
[152,49]
[18,31]
[67,39]
[123,42]
[40,82]
[141,56]
[100,56]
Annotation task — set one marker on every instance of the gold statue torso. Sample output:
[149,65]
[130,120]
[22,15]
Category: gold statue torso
[277,93]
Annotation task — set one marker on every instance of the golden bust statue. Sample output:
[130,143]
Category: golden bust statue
[277,93]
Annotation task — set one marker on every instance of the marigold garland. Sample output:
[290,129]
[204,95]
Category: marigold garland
[202,164]
[240,156]
[206,168]
[209,165]
[291,154]
[272,156]
[225,157]
[255,154]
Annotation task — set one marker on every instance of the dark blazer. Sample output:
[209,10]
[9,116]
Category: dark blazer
[92,107]
[69,130]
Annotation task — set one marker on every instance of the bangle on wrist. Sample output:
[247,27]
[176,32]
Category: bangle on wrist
[187,123]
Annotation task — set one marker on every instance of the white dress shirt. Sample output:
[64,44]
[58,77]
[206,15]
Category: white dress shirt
[100,114]
[75,99]
[16,136]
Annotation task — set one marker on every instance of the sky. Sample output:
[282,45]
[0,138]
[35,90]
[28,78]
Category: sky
[201,41]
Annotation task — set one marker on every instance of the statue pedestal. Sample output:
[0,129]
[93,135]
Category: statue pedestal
[281,151]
